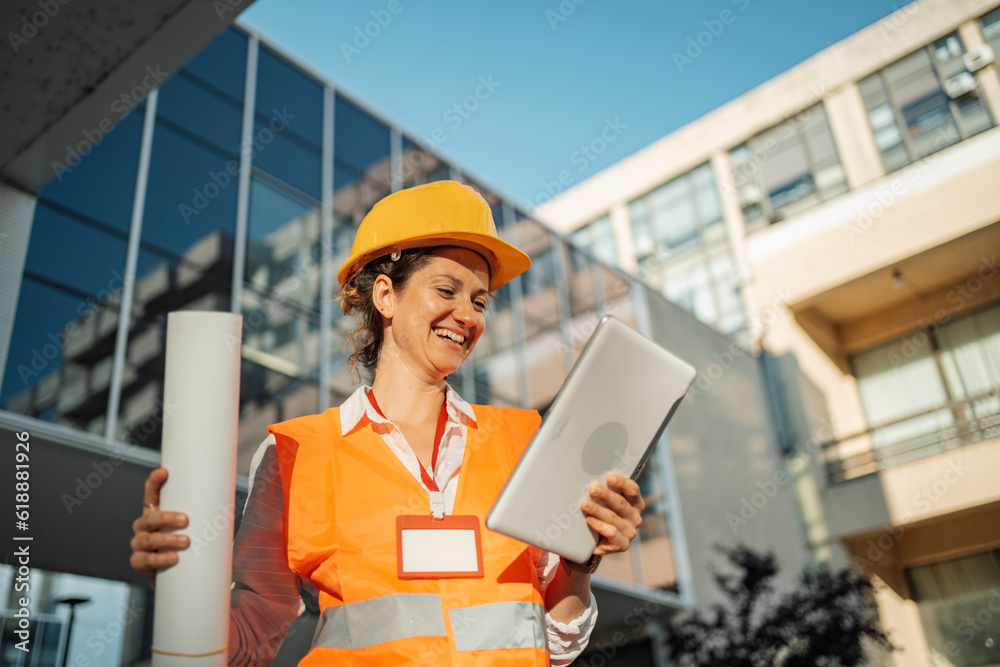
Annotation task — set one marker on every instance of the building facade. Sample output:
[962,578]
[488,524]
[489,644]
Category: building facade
[842,221]
[237,185]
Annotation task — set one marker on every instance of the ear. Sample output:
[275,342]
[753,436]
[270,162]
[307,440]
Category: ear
[383,295]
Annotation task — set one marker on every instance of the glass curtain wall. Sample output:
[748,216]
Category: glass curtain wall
[362,175]
[281,273]
[185,259]
[62,345]
[683,250]
[598,238]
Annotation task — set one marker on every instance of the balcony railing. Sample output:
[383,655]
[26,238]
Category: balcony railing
[916,436]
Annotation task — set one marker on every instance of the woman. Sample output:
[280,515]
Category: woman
[421,270]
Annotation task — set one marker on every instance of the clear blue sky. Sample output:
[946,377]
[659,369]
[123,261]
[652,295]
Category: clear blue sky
[559,72]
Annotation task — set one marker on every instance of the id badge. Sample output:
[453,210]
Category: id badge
[446,548]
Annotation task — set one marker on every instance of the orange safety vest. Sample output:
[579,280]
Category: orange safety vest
[342,496]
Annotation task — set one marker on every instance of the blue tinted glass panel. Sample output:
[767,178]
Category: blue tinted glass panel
[278,151]
[223,63]
[360,141]
[283,246]
[286,90]
[190,201]
[196,108]
[100,185]
[58,367]
[420,166]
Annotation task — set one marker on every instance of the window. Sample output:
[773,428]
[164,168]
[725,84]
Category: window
[955,599]
[991,30]
[924,103]
[61,346]
[597,238]
[361,164]
[707,288]
[676,217]
[288,124]
[932,390]
[421,167]
[787,168]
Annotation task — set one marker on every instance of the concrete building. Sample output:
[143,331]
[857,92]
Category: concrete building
[235,182]
[842,221]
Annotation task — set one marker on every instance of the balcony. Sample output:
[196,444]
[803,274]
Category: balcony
[947,427]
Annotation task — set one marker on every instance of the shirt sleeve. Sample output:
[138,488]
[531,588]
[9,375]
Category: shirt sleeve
[566,640]
[265,592]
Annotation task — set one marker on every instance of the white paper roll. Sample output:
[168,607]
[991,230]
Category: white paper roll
[200,421]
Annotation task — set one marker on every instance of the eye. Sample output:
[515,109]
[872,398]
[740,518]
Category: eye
[446,292]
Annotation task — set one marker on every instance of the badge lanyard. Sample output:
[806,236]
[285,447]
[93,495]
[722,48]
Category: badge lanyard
[436,546]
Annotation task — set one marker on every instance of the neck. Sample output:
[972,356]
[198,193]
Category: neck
[404,397]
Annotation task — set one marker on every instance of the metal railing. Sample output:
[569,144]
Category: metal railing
[941,428]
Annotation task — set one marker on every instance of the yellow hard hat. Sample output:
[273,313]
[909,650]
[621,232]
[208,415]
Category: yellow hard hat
[443,213]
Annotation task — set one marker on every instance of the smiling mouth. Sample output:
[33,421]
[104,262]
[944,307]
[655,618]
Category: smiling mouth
[450,335]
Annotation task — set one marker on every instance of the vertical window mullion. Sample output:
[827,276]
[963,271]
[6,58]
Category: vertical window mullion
[761,182]
[898,113]
[243,187]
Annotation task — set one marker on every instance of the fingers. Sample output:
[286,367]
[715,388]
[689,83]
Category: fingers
[148,562]
[628,488]
[153,520]
[614,511]
[154,546]
[151,492]
[145,542]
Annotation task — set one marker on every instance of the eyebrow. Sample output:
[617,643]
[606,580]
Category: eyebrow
[458,283]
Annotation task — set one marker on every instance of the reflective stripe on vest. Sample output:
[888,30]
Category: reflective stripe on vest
[362,624]
[499,625]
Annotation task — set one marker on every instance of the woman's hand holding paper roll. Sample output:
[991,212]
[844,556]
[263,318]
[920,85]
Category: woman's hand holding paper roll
[152,548]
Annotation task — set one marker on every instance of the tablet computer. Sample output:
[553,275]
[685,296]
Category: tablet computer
[607,417]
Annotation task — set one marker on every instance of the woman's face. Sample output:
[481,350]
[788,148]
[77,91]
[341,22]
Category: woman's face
[437,319]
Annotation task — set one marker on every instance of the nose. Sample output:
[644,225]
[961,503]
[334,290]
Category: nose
[465,314]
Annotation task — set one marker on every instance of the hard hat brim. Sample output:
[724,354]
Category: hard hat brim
[506,261]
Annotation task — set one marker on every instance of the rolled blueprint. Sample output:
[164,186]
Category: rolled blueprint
[200,418]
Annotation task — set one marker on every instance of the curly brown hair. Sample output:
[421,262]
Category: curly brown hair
[356,296]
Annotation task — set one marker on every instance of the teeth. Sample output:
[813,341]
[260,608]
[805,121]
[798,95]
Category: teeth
[458,338]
